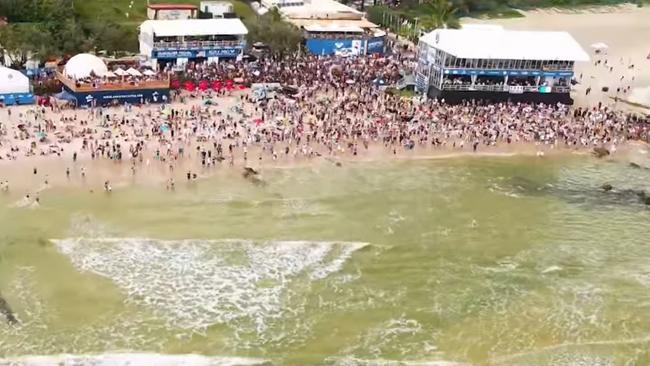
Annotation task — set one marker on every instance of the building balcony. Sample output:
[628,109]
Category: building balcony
[196,45]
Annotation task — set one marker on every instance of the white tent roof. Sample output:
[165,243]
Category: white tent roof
[497,43]
[194,27]
[149,72]
[83,64]
[133,72]
[120,71]
[12,81]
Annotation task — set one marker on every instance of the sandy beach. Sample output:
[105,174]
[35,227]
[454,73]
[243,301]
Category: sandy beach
[624,29]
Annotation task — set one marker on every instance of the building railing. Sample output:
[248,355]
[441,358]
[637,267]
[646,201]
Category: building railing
[502,88]
[196,44]
[99,84]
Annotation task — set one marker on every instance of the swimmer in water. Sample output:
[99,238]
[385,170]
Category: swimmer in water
[107,186]
[474,224]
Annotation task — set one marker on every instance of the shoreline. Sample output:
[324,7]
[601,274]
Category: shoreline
[154,175]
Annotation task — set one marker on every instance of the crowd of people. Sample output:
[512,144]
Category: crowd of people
[340,113]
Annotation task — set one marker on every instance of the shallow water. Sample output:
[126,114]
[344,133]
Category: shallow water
[516,261]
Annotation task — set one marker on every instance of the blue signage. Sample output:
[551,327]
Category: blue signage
[330,46]
[189,53]
[17,98]
[375,45]
[508,72]
[109,97]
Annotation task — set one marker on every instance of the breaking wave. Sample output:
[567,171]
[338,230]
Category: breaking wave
[194,284]
[131,359]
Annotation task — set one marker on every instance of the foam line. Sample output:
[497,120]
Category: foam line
[555,347]
[132,359]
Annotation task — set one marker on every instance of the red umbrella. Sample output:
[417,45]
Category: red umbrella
[216,85]
[258,121]
[242,87]
[175,84]
[203,85]
[189,86]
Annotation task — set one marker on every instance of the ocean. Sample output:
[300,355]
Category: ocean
[468,261]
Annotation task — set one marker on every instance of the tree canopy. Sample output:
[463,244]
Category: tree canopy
[46,29]
[281,37]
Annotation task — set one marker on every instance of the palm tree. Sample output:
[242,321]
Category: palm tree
[444,14]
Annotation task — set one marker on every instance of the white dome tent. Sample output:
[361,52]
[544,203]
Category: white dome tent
[83,65]
[13,82]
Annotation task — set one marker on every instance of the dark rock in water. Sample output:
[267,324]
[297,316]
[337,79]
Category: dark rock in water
[7,312]
[635,165]
[607,187]
[600,152]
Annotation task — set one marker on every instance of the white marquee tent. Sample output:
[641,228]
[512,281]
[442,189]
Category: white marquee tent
[12,81]
[481,42]
[83,64]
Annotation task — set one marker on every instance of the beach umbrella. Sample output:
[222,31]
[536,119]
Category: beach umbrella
[216,85]
[120,72]
[203,85]
[599,46]
[109,74]
[149,72]
[175,84]
[189,85]
[133,72]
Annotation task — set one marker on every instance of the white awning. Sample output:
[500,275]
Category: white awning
[120,72]
[194,27]
[149,72]
[495,43]
[109,74]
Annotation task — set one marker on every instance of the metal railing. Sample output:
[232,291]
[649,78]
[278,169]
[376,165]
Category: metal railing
[502,88]
[196,44]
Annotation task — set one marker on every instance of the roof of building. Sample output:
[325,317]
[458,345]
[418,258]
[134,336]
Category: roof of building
[360,23]
[498,43]
[334,28]
[172,6]
[194,27]
[314,9]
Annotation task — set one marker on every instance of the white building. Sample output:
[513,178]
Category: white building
[178,41]
[218,9]
[476,60]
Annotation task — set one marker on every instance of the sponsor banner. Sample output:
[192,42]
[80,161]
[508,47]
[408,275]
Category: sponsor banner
[375,45]
[515,89]
[508,72]
[120,96]
[194,53]
[17,98]
[340,47]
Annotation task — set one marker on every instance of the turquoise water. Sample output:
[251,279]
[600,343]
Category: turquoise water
[510,261]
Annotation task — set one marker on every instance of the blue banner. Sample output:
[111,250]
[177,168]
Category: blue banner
[375,45]
[17,98]
[187,53]
[340,47]
[508,72]
[109,97]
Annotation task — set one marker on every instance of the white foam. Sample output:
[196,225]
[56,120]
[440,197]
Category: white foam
[551,269]
[354,361]
[194,284]
[130,359]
